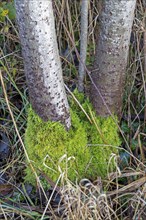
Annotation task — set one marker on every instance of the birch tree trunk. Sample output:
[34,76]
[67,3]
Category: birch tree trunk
[111,54]
[41,60]
[83,43]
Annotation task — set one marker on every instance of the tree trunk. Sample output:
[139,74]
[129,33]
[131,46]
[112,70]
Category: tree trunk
[41,60]
[111,55]
[83,43]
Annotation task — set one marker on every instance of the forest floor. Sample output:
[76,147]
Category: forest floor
[122,195]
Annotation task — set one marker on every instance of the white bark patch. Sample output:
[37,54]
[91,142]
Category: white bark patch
[111,56]
[41,60]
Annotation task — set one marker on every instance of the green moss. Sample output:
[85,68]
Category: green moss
[47,142]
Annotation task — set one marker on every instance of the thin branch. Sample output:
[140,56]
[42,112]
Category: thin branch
[83,43]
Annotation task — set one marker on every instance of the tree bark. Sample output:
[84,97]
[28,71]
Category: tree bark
[115,24]
[41,60]
[83,43]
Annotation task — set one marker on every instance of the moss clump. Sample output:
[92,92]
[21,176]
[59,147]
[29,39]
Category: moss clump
[52,140]
[47,142]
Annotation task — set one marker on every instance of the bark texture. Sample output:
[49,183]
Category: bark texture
[41,60]
[111,55]
[83,43]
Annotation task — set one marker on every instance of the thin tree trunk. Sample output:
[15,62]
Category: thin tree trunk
[41,60]
[83,43]
[111,55]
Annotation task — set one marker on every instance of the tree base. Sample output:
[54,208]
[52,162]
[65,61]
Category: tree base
[85,151]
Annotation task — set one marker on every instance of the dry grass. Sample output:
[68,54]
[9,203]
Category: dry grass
[123,194]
